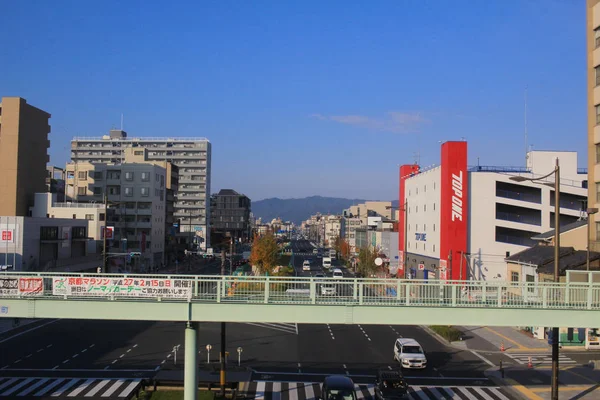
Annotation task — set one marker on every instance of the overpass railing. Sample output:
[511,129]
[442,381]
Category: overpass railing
[299,290]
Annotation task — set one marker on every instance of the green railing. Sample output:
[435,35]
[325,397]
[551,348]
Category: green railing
[300,290]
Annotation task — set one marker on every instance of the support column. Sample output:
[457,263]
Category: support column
[190,380]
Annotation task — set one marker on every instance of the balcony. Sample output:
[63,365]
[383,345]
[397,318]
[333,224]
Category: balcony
[515,236]
[518,192]
[521,215]
[143,211]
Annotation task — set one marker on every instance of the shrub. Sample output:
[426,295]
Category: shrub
[449,333]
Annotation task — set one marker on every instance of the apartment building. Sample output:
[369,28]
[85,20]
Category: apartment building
[593,103]
[192,156]
[23,154]
[136,195]
[462,222]
[334,227]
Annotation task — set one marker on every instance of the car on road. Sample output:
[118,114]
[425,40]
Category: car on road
[319,275]
[409,353]
[328,289]
[306,265]
[326,262]
[337,273]
[338,387]
[390,385]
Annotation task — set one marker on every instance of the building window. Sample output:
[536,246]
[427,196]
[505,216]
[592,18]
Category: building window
[128,191]
[424,227]
[79,232]
[49,233]
[597,114]
[434,227]
[514,277]
[597,37]
[81,190]
[98,175]
[598,154]
[82,175]
[145,176]
[597,192]
[129,176]
[434,248]
[424,207]
[145,191]
[433,206]
[597,73]
[97,190]
[597,229]
[89,217]
[101,217]
[530,279]
[138,153]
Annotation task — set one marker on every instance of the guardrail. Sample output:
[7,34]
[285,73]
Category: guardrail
[299,290]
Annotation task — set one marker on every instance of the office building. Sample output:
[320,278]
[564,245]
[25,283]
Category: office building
[136,195]
[462,222]
[23,154]
[230,213]
[191,155]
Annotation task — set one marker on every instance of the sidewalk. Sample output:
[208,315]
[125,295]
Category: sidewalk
[496,336]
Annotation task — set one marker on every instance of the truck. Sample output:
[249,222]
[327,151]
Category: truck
[326,262]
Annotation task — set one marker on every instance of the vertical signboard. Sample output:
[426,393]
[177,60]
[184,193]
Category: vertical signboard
[454,209]
[406,171]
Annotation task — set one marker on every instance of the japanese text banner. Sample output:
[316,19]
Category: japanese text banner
[124,287]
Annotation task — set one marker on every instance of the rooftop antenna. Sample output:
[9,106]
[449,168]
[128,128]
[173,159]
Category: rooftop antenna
[417,156]
[526,147]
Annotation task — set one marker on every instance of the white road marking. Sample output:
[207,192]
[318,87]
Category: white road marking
[92,345]
[163,361]
[483,358]
[18,361]
[122,355]
[107,367]
[66,361]
[84,350]
[128,350]
[56,367]
[390,367]
[28,355]
[50,345]
[40,350]
[29,330]
[169,355]
[114,361]
[75,355]
[134,346]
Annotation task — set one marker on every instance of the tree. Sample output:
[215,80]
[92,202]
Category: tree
[343,248]
[366,259]
[264,254]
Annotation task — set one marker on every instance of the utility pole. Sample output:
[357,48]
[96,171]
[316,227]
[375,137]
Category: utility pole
[223,366]
[555,345]
[190,242]
[231,247]
[223,256]
[104,230]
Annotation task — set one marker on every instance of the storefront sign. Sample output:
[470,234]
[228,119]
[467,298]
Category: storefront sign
[124,287]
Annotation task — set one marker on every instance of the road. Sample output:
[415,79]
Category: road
[121,353]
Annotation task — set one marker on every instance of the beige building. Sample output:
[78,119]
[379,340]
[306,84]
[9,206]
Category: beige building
[23,154]
[593,101]
[137,194]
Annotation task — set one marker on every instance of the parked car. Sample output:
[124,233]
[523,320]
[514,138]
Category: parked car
[338,387]
[390,385]
[409,353]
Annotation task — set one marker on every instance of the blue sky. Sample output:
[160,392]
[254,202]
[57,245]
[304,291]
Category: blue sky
[308,97]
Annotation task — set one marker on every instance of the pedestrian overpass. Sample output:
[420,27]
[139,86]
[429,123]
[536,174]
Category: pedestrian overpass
[194,299]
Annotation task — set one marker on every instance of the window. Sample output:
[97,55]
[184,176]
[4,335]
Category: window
[597,37]
[128,191]
[49,233]
[98,175]
[433,206]
[101,217]
[145,176]
[145,191]
[81,190]
[598,154]
[416,209]
[597,114]
[597,74]
[598,229]
[530,279]
[597,192]
[89,217]
[129,176]
[424,227]
[138,153]
[434,248]
[82,175]
[514,277]
[424,207]
[97,190]
[79,232]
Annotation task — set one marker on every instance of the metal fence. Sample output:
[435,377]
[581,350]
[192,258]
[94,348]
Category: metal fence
[320,291]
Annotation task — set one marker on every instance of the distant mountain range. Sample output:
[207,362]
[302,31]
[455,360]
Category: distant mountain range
[298,210]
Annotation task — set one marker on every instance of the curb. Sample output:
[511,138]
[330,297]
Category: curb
[439,338]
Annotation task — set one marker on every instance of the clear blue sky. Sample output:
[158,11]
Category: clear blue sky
[306,97]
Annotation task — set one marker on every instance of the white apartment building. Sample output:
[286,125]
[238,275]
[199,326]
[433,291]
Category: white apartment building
[191,155]
[137,197]
[334,228]
[497,214]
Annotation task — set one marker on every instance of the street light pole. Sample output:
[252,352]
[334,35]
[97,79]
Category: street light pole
[104,260]
[405,254]
[554,394]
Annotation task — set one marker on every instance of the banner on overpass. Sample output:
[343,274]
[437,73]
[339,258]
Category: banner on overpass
[21,286]
[123,287]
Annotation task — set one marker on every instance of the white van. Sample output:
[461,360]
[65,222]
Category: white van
[409,353]
[326,262]
[306,265]
[337,273]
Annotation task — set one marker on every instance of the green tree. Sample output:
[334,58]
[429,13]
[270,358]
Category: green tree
[366,261]
[264,253]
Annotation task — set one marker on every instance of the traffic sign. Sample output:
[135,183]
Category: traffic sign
[421,267]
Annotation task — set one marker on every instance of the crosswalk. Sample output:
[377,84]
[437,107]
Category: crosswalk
[540,359]
[68,387]
[288,328]
[312,391]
